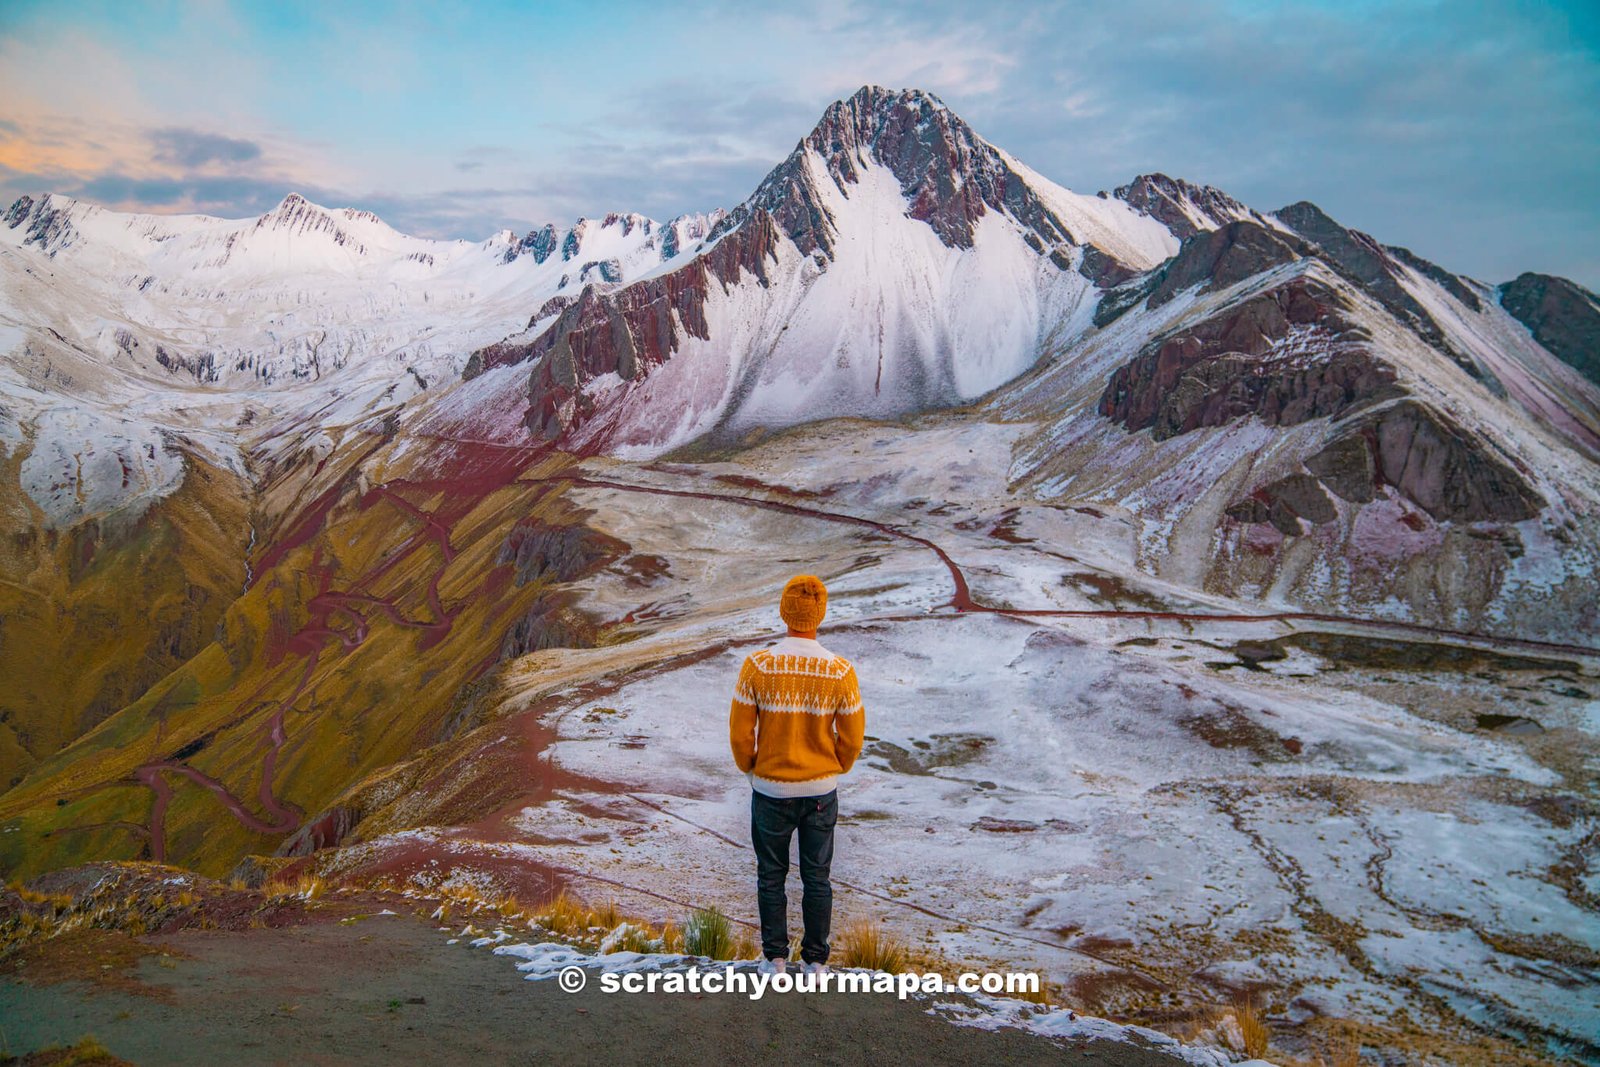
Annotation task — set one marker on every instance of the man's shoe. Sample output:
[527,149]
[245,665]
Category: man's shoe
[776,965]
[816,968]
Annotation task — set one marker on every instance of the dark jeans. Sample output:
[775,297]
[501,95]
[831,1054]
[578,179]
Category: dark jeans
[773,822]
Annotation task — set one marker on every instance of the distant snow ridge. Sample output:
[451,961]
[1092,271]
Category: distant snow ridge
[215,331]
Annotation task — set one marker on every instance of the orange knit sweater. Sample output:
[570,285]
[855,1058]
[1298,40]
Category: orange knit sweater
[797,720]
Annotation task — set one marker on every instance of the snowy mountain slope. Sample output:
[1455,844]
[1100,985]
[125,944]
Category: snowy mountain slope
[1278,429]
[301,291]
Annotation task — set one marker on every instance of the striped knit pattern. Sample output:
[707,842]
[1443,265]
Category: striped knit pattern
[797,722]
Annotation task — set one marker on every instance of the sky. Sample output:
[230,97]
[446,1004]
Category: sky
[1468,132]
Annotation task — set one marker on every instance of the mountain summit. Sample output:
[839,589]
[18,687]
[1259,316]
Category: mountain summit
[948,175]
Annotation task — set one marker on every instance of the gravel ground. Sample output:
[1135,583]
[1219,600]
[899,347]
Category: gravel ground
[389,989]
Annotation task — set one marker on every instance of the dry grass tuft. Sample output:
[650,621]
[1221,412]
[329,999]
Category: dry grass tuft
[564,915]
[745,947]
[60,901]
[607,917]
[1252,1028]
[509,907]
[304,887]
[866,943]
[1344,1052]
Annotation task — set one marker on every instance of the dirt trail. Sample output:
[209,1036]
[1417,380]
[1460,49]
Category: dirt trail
[390,990]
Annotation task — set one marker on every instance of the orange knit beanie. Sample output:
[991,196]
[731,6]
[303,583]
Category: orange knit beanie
[805,602]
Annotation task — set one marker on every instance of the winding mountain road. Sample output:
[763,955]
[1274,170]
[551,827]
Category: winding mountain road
[962,600]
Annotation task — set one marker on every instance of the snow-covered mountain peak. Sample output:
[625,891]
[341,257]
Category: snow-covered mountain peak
[44,221]
[950,178]
[948,175]
[350,228]
[628,222]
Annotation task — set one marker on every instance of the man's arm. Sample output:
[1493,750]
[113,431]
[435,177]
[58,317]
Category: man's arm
[849,722]
[742,719]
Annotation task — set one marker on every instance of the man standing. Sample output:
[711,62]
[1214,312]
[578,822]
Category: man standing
[795,726]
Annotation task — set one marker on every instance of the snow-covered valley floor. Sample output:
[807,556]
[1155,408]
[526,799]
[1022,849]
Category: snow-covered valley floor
[1156,810]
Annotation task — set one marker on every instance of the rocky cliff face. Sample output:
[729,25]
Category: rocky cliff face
[1449,473]
[1562,316]
[1290,355]
[626,332]
[1285,356]
[1185,208]
[540,244]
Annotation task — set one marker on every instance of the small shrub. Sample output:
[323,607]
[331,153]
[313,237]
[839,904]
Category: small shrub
[708,933]
[865,943]
[671,937]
